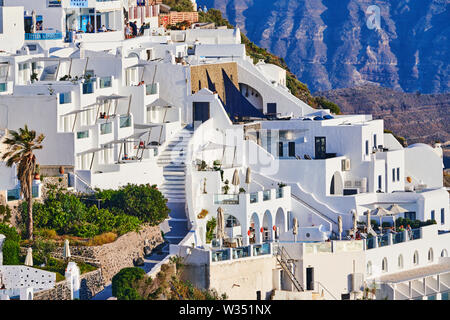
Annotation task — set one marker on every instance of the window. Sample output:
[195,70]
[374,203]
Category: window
[444,253]
[367,147]
[3,87]
[125,121]
[379,182]
[384,265]
[416,258]
[393,174]
[400,262]
[410,215]
[433,215]
[430,255]
[398,174]
[374,141]
[369,268]
[442,216]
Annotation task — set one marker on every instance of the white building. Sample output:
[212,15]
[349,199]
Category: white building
[190,111]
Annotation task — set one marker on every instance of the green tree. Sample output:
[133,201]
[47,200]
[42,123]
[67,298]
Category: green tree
[11,249]
[123,282]
[21,146]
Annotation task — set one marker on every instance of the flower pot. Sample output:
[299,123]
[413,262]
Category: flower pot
[61,170]
[37,176]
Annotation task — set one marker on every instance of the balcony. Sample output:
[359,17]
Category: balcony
[226,199]
[230,254]
[44,36]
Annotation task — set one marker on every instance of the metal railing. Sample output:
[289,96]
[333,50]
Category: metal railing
[44,36]
[226,199]
[266,195]
[286,262]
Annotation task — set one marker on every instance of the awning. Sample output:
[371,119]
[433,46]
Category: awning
[93,150]
[79,110]
[214,146]
[139,65]
[112,97]
[146,126]
[119,141]
[160,103]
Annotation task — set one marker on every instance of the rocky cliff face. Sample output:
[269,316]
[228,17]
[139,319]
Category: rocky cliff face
[328,43]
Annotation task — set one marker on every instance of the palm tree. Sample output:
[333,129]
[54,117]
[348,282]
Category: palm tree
[20,147]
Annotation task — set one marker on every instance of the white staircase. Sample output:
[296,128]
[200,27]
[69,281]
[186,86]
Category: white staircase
[173,160]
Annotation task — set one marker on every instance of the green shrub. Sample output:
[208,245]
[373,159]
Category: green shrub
[123,281]
[210,227]
[9,232]
[11,252]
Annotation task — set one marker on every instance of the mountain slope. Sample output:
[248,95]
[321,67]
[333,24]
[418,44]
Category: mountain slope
[328,45]
[417,117]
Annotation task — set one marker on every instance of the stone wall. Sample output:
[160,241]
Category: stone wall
[91,284]
[113,257]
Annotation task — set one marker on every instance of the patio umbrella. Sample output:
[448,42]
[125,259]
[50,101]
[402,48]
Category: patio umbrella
[220,224]
[33,21]
[235,181]
[66,252]
[29,257]
[248,178]
[340,226]
[295,229]
[396,209]
[381,212]
[355,225]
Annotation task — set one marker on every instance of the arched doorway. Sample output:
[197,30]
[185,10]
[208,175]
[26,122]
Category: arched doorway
[337,184]
[267,226]
[233,229]
[280,223]
[255,225]
[252,95]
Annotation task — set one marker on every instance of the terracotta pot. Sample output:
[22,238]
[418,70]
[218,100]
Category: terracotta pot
[37,176]
[61,170]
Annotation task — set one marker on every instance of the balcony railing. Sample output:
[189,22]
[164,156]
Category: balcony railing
[106,128]
[125,121]
[279,193]
[266,195]
[44,36]
[382,241]
[65,97]
[88,87]
[241,252]
[254,197]
[83,134]
[151,89]
[220,255]
[105,82]
[3,87]
[261,249]
[226,199]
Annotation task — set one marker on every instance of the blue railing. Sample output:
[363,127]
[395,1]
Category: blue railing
[241,252]
[383,240]
[44,36]
[3,87]
[88,88]
[266,195]
[398,238]
[415,234]
[261,249]
[254,197]
[105,82]
[65,97]
[370,243]
[279,193]
[220,255]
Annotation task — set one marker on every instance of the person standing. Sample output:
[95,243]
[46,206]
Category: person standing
[134,28]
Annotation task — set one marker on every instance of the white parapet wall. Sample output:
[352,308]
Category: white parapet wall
[16,277]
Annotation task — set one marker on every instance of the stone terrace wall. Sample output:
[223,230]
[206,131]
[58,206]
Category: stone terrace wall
[91,284]
[113,257]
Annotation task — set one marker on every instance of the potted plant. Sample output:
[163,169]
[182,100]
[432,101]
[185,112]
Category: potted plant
[61,170]
[34,77]
[241,190]
[226,187]
[37,170]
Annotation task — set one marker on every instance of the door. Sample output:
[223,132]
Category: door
[309,278]
[280,149]
[201,111]
[272,108]
[320,147]
[291,147]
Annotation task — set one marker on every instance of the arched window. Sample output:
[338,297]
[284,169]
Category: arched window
[416,258]
[384,265]
[444,253]
[400,262]
[369,268]
[430,255]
